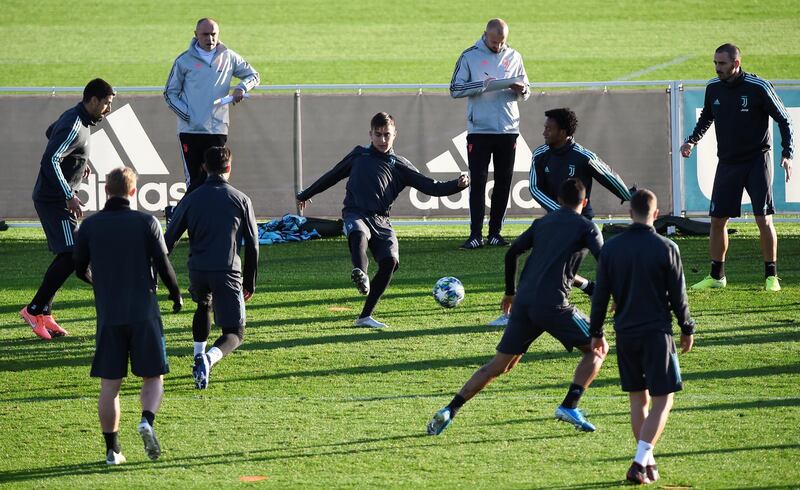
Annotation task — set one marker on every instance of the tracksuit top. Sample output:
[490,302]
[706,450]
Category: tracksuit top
[740,111]
[193,85]
[550,167]
[493,112]
[375,181]
[220,219]
[122,245]
[65,157]
[643,272]
[558,242]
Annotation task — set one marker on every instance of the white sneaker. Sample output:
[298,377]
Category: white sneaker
[369,322]
[151,445]
[501,321]
[113,458]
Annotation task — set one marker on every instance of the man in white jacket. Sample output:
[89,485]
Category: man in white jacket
[199,78]
[492,124]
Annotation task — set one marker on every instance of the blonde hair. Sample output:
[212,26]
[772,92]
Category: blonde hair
[120,181]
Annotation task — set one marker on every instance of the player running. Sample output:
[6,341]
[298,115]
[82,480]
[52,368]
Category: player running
[376,176]
[559,241]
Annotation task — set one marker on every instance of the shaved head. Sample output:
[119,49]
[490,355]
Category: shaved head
[497,26]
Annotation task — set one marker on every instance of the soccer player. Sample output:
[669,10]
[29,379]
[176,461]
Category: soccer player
[376,176]
[559,242]
[63,166]
[219,219]
[740,105]
[643,273]
[200,76]
[122,245]
[492,125]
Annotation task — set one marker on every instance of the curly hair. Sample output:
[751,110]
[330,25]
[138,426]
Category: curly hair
[565,118]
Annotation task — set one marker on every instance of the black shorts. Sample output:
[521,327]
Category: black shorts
[731,179]
[193,149]
[568,325]
[142,341]
[380,235]
[648,361]
[223,290]
[59,225]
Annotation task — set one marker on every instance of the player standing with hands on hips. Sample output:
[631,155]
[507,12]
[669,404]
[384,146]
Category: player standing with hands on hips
[376,176]
[63,166]
[643,272]
[740,105]
[492,125]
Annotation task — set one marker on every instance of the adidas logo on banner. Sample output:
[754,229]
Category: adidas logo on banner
[143,157]
[446,163]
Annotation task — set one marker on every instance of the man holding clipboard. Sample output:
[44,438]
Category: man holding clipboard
[492,77]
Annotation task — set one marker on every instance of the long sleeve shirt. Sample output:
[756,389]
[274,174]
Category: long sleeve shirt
[552,166]
[494,112]
[740,110]
[219,219]
[375,179]
[643,272]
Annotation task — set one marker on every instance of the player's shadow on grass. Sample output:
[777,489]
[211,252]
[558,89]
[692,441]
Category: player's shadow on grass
[719,450]
[59,306]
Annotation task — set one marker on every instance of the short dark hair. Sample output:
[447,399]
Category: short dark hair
[565,118]
[731,49]
[120,181]
[381,119]
[99,89]
[643,203]
[217,158]
[572,192]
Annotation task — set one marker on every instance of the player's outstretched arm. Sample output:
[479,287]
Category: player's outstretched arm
[414,178]
[330,178]
[159,256]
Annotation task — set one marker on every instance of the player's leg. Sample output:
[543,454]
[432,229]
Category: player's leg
[358,235]
[386,250]
[149,361]
[505,150]
[108,412]
[478,156]
[201,326]
[229,315]
[640,406]
[110,364]
[760,190]
[150,398]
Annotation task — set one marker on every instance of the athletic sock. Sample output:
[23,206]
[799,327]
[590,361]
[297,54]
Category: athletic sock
[214,355]
[456,404]
[644,451]
[112,441]
[717,269]
[651,461]
[582,285]
[573,396]
[770,269]
[199,348]
[149,416]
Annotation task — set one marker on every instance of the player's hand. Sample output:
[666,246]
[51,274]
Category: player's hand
[787,166]
[687,341]
[463,180]
[506,303]
[600,346]
[177,304]
[247,294]
[238,95]
[301,205]
[518,87]
[74,206]
[86,172]
[686,149]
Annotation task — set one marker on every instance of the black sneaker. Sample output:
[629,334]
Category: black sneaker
[361,280]
[472,244]
[497,241]
[652,472]
[637,474]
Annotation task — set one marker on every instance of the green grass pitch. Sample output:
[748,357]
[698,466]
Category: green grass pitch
[310,401]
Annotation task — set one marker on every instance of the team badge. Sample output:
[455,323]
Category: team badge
[572,170]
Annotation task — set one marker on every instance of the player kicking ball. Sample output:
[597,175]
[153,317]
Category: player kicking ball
[541,304]
[376,176]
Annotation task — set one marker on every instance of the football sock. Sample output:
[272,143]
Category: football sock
[214,355]
[770,269]
[56,275]
[378,285]
[201,323]
[644,451]
[717,269]
[199,348]
[573,396]
[456,404]
[149,416]
[582,285]
[112,441]
[651,461]
[357,242]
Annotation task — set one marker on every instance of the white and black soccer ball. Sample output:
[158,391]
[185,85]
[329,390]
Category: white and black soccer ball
[448,292]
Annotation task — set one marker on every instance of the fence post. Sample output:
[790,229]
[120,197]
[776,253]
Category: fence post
[676,138]
[298,149]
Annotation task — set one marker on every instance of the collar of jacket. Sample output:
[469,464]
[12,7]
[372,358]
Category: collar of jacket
[117,204]
[390,156]
[483,47]
[86,118]
[736,81]
[216,179]
[193,49]
[641,226]
[566,148]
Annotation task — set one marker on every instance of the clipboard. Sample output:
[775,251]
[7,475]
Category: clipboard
[503,83]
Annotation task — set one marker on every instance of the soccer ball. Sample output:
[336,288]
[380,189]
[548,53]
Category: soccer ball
[448,292]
